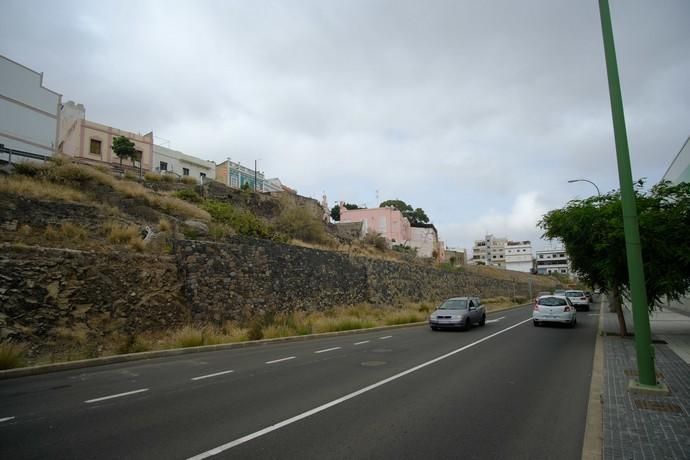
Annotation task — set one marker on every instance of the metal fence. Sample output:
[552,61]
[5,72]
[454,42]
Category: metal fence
[7,154]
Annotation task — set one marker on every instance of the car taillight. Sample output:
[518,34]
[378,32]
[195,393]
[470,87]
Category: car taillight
[566,309]
[583,298]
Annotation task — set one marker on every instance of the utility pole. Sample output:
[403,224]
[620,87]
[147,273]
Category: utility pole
[643,342]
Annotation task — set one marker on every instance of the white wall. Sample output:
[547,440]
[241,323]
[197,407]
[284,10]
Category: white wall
[28,111]
[177,160]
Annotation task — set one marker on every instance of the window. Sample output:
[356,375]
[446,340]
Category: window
[202,175]
[234,182]
[95,147]
[185,171]
[138,156]
[163,166]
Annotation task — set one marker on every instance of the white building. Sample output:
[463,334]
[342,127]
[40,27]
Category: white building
[424,238]
[554,260]
[171,161]
[518,256]
[29,112]
[490,251]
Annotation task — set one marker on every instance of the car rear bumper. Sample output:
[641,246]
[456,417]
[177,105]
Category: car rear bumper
[553,318]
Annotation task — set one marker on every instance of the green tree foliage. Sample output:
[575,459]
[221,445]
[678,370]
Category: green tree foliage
[415,216]
[592,231]
[243,222]
[124,148]
[300,224]
[335,210]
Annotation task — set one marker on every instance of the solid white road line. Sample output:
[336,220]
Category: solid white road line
[386,337]
[328,349]
[335,402]
[495,320]
[201,377]
[280,360]
[592,314]
[119,395]
[6,419]
[364,341]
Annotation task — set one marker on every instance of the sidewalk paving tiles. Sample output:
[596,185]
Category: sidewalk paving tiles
[644,426]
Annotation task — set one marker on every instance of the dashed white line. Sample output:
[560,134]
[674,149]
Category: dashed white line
[495,320]
[119,395]
[335,402]
[6,419]
[328,349]
[201,377]
[386,337]
[362,342]
[280,360]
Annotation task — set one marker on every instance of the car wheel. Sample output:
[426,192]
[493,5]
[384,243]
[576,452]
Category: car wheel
[468,324]
[434,328]
[573,323]
[482,322]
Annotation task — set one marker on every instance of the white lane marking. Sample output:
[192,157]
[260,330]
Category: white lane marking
[280,360]
[495,320]
[201,377]
[386,337]
[335,402]
[328,349]
[6,419]
[364,341]
[119,395]
[592,314]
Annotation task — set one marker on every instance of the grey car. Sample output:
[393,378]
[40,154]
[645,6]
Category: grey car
[458,313]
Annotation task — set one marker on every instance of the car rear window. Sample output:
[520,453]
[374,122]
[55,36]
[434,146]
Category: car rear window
[552,302]
[454,304]
[575,293]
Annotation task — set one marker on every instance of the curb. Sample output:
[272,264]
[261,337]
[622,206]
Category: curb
[593,442]
[85,363]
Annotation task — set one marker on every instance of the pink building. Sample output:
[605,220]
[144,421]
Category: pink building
[387,222]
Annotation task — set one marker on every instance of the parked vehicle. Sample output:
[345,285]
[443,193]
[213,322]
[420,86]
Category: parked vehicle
[589,296]
[579,299]
[458,313]
[554,309]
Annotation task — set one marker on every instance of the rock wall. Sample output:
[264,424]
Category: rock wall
[239,279]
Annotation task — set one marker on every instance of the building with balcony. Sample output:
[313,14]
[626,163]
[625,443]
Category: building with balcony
[29,112]
[490,251]
[518,256]
[236,176]
[553,260]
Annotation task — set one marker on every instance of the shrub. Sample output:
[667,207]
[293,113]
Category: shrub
[298,223]
[129,175]
[120,234]
[188,336]
[11,355]
[164,225]
[189,180]
[37,188]
[65,232]
[167,178]
[255,330]
[29,168]
[405,317]
[190,195]
[220,231]
[152,177]
[376,240]
[243,222]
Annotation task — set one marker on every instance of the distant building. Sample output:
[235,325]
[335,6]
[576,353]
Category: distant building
[679,169]
[171,161]
[29,112]
[92,142]
[490,251]
[518,256]
[387,222]
[424,238]
[456,256]
[236,176]
[275,185]
[554,260]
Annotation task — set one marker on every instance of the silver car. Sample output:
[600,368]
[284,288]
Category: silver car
[578,298]
[458,313]
[554,309]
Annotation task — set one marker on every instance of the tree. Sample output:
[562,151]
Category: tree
[415,216]
[592,232]
[124,148]
[335,211]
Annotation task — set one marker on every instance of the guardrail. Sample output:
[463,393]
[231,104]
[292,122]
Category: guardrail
[22,153]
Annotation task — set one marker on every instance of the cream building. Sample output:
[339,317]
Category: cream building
[92,142]
[171,161]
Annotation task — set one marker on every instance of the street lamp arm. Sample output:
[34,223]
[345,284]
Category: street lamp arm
[586,180]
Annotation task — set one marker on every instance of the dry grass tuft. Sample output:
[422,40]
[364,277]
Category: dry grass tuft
[11,355]
[40,189]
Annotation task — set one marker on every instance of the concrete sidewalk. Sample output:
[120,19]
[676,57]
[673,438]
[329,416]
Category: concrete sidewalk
[643,426]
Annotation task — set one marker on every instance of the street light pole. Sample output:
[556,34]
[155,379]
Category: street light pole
[586,180]
[643,342]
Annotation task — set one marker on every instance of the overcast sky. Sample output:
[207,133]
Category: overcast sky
[476,111]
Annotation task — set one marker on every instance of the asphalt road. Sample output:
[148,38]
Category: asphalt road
[506,390]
